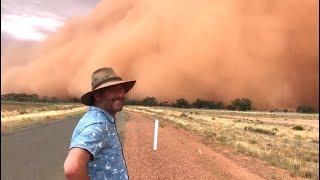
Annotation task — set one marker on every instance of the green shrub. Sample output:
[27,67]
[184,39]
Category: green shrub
[181,103]
[298,128]
[198,103]
[243,104]
[149,101]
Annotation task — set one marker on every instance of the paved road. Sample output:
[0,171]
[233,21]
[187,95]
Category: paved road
[39,152]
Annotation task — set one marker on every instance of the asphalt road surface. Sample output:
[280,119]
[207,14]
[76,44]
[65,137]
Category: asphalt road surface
[38,153]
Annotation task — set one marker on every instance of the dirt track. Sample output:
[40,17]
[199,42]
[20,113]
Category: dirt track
[180,155]
[183,155]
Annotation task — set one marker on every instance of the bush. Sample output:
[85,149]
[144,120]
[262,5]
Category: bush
[200,103]
[298,128]
[243,104]
[210,105]
[53,99]
[133,102]
[181,103]
[219,105]
[149,101]
[305,109]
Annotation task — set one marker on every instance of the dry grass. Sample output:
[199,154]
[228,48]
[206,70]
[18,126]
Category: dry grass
[285,140]
[18,115]
[18,108]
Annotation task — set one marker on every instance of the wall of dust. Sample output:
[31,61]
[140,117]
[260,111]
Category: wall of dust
[265,50]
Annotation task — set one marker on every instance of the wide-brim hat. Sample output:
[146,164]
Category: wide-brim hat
[103,78]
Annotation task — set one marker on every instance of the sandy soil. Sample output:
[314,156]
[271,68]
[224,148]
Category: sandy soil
[182,155]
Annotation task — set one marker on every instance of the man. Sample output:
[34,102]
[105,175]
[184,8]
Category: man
[95,151]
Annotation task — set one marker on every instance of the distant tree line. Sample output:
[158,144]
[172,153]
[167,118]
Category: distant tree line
[23,97]
[243,104]
[306,109]
[240,104]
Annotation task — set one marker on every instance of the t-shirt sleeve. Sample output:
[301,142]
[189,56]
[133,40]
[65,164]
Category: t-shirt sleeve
[91,138]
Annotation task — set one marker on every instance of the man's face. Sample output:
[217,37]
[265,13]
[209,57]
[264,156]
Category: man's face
[111,99]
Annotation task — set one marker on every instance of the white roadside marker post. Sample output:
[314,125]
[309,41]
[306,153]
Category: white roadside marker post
[155,137]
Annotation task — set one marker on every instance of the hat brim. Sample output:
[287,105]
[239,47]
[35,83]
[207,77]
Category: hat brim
[87,98]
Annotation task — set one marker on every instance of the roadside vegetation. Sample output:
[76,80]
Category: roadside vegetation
[281,139]
[22,110]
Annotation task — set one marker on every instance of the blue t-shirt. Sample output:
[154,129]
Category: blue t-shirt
[96,132]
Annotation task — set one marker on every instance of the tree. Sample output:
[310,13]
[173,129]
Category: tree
[182,103]
[133,102]
[210,105]
[305,109]
[34,97]
[198,103]
[149,101]
[219,105]
[53,99]
[243,104]
[45,99]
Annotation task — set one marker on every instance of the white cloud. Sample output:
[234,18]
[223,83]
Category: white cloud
[28,28]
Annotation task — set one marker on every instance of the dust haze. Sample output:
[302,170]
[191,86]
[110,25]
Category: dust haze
[265,50]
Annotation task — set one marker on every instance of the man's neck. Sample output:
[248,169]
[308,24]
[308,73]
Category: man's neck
[113,114]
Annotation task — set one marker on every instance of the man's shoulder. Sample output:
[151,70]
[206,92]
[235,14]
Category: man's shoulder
[92,117]
[88,121]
